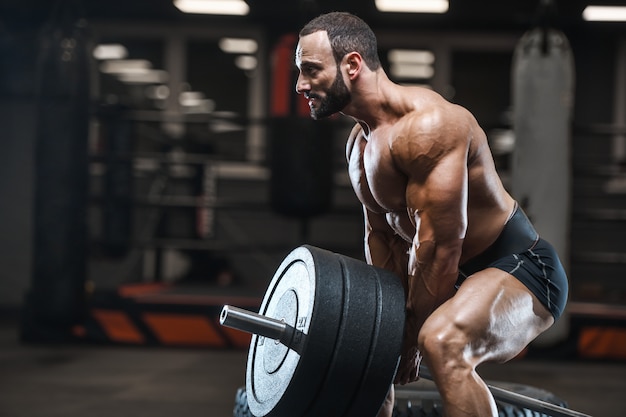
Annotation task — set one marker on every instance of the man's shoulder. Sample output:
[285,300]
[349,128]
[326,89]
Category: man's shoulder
[426,126]
[430,130]
[428,115]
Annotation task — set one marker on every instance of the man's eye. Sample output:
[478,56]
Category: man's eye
[311,71]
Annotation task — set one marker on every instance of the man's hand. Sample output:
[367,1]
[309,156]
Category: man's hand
[410,356]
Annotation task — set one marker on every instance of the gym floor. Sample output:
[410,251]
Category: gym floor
[107,381]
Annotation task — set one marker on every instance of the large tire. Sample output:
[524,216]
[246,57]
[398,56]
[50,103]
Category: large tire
[422,400]
[507,410]
[241,408]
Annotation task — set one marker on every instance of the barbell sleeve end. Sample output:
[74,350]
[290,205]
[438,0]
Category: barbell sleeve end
[247,321]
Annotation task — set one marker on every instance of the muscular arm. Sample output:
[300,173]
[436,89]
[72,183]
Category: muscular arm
[383,247]
[437,200]
[439,211]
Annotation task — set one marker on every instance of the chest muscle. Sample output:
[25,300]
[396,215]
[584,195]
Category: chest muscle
[379,186]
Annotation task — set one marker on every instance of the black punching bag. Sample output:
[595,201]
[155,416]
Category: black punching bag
[301,166]
[55,300]
[301,181]
[116,131]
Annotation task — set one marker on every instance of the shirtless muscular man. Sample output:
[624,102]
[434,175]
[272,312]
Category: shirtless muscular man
[480,283]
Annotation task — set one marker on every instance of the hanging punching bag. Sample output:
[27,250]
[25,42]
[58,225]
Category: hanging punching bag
[301,166]
[54,302]
[543,95]
[301,174]
[116,131]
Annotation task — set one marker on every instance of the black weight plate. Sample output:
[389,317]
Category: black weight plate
[351,317]
[280,381]
[352,348]
[386,343]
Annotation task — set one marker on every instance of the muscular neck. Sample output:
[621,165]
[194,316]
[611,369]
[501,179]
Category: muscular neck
[372,98]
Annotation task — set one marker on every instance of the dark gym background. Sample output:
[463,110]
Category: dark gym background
[191,190]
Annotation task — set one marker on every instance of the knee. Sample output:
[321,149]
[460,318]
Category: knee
[444,342]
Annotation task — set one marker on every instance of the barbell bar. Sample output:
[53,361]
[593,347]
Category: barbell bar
[247,321]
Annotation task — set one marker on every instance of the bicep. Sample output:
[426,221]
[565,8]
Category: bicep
[441,222]
[438,203]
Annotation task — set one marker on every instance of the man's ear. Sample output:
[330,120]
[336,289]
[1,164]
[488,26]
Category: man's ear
[354,64]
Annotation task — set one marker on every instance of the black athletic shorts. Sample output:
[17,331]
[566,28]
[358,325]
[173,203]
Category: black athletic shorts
[533,261]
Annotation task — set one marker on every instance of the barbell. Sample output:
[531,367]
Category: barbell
[327,339]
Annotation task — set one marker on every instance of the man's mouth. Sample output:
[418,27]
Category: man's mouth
[312,99]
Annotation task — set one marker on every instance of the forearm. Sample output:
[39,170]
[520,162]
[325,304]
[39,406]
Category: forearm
[384,248]
[388,251]
[432,273]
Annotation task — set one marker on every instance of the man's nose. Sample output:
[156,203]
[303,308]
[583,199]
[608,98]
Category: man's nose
[302,85]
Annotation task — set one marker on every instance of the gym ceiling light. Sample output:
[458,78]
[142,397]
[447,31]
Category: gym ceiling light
[238,45]
[110,51]
[605,13]
[222,7]
[412,6]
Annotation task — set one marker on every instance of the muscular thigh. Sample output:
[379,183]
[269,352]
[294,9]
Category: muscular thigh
[495,314]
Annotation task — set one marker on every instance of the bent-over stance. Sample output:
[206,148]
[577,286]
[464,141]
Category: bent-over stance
[480,283]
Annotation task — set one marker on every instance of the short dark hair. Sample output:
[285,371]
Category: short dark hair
[347,33]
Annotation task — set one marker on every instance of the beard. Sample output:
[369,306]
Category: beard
[336,99]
